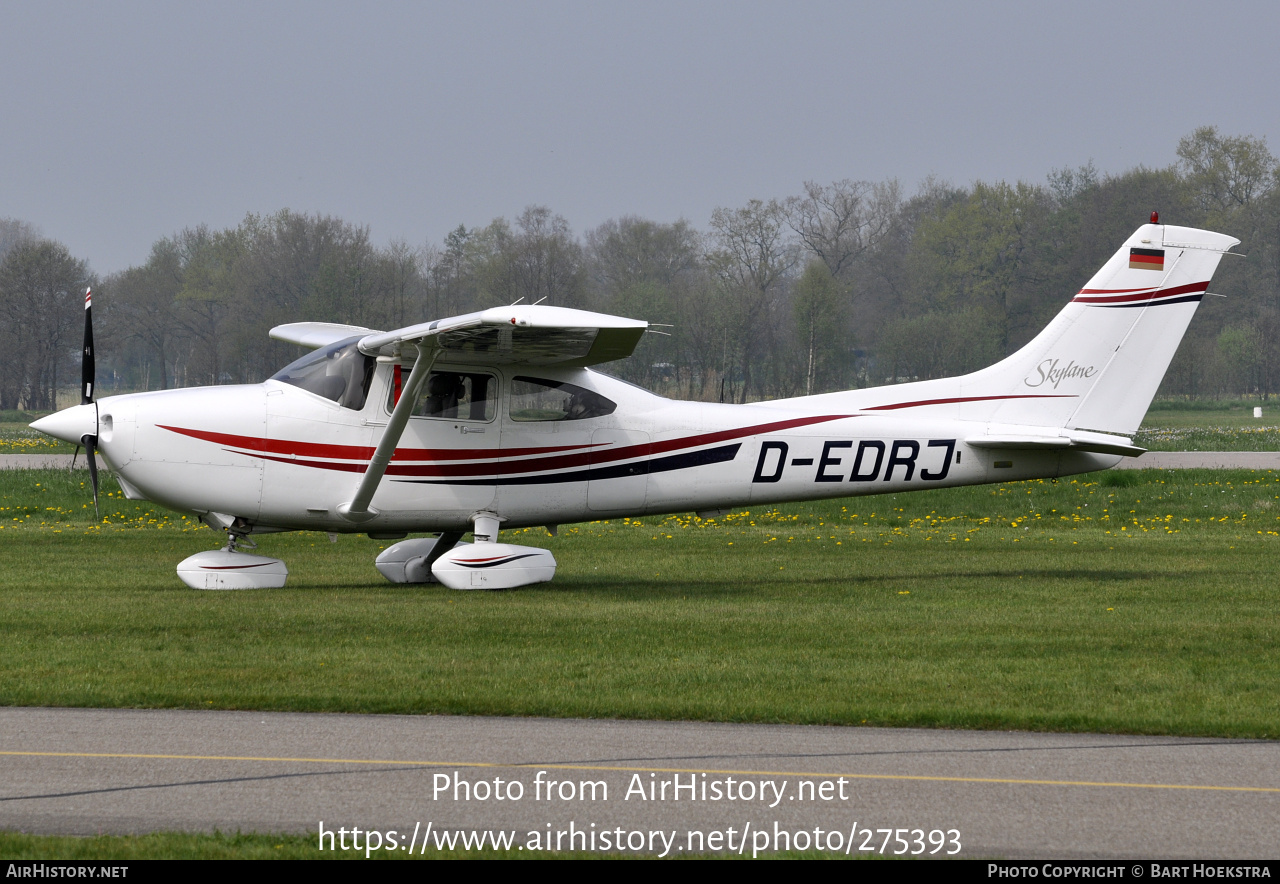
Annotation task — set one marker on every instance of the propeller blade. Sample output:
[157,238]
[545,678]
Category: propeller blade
[87,371]
[86,357]
[90,450]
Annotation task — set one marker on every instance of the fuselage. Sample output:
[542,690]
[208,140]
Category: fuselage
[278,456]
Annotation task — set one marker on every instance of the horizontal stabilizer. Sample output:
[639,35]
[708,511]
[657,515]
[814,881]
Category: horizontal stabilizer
[533,335]
[316,334]
[1074,440]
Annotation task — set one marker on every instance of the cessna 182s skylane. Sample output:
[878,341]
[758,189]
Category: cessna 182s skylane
[494,419]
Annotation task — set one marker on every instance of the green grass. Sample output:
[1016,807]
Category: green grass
[18,438]
[13,416]
[1129,602]
[1210,425]
[16,846]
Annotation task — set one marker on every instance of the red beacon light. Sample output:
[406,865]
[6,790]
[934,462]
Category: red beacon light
[1155,217]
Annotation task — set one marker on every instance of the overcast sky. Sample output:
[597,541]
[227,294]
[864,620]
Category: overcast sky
[123,122]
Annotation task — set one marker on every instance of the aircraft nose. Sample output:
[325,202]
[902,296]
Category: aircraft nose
[70,424]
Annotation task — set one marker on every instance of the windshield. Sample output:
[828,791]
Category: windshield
[339,373]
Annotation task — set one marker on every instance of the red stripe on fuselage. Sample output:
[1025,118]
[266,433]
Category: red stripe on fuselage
[357,452]
[497,462]
[1145,288]
[966,399]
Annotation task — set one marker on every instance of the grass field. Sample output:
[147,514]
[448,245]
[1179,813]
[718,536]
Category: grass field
[1141,601]
[1227,425]
[239,845]
[247,845]
[18,438]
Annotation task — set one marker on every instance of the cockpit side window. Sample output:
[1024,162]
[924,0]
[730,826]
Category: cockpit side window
[535,399]
[339,373]
[456,395]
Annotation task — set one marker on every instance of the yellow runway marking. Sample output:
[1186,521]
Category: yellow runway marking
[676,770]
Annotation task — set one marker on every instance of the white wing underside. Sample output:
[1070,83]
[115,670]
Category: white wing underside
[532,335]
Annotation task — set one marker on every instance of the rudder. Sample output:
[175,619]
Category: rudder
[1098,364]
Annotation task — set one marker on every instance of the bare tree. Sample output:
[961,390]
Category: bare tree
[1226,171]
[537,260]
[41,297]
[839,221]
[13,232]
[145,297]
[751,259]
[629,251]
[648,270]
[402,284]
[547,262]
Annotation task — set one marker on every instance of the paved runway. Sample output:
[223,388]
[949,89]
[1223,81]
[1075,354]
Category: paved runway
[84,771]
[44,461]
[1203,460]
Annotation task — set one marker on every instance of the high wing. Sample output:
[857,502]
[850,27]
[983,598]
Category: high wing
[532,334]
[316,334]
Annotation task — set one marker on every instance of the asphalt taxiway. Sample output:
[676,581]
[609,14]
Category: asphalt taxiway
[1004,794]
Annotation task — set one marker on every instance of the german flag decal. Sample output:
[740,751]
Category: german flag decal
[1146,259]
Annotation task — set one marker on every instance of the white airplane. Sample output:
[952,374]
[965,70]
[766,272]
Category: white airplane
[495,419]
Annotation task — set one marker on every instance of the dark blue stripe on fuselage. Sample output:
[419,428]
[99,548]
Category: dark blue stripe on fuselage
[1153,303]
[722,454]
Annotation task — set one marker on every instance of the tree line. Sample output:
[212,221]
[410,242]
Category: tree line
[851,283]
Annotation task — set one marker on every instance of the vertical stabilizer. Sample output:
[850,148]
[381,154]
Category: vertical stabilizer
[1097,365]
[1139,305]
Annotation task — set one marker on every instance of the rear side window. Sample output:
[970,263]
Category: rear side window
[534,399]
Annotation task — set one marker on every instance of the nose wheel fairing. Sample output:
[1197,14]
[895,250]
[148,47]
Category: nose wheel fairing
[227,569]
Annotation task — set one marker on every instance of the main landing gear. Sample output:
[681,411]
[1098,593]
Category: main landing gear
[484,564]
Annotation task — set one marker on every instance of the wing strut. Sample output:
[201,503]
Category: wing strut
[358,509]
